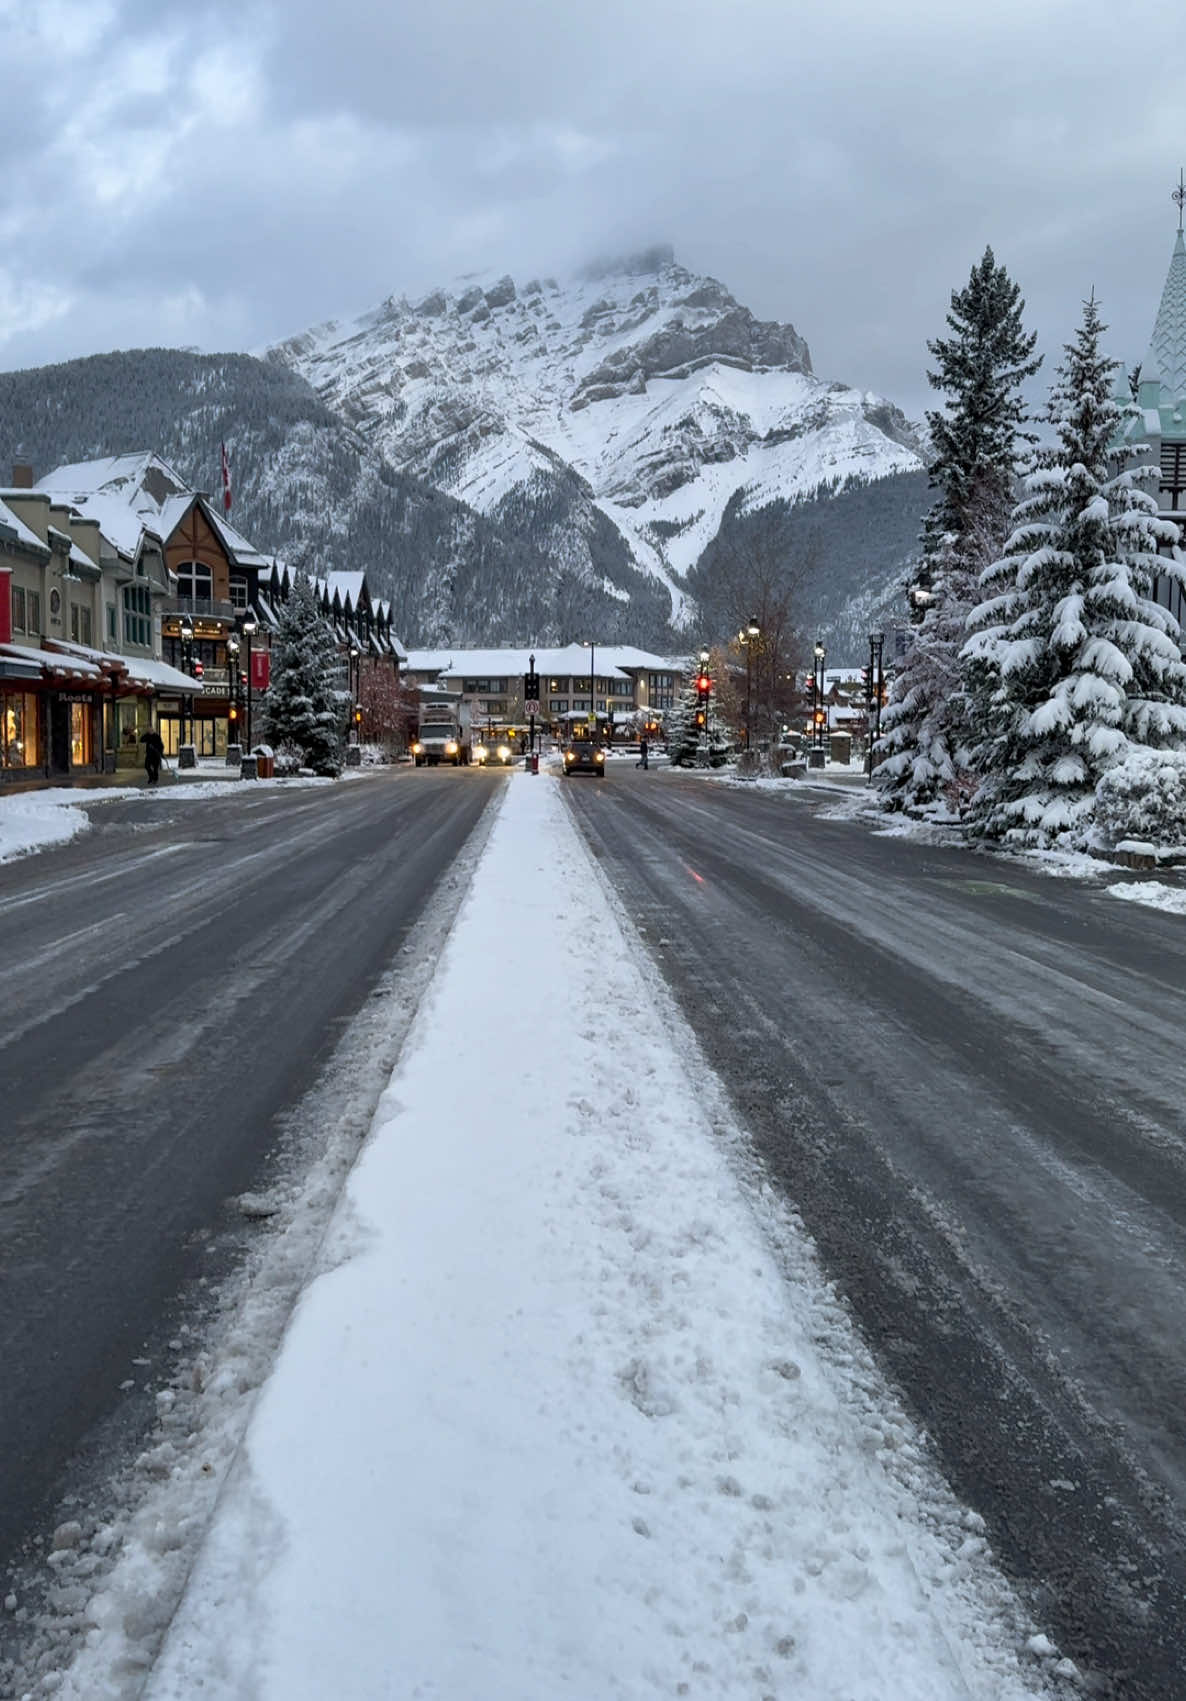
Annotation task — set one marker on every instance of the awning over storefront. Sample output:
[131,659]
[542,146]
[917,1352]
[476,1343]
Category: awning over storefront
[18,661]
[133,673]
[158,676]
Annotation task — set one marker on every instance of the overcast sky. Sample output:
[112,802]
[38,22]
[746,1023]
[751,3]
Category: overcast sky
[221,176]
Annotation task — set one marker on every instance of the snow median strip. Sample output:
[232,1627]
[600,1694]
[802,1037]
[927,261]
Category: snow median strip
[554,1417]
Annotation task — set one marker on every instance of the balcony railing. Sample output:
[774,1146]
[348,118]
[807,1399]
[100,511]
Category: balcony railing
[215,608]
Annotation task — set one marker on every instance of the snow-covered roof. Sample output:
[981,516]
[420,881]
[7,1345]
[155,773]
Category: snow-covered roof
[347,585]
[124,494]
[609,661]
[140,670]
[10,522]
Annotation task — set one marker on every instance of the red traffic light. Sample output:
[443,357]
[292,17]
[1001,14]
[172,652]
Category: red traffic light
[704,685]
[198,670]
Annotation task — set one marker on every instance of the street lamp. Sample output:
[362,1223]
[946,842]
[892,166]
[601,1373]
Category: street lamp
[873,705]
[187,662]
[749,636]
[821,714]
[590,645]
[355,686]
[232,662]
[249,626]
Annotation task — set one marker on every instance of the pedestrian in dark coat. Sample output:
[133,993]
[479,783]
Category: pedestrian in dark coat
[643,750]
[154,754]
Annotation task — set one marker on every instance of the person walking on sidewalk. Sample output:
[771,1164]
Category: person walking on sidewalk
[154,752]
[643,751]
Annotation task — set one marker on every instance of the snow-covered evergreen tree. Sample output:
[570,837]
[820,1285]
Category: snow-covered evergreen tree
[688,745]
[979,369]
[305,704]
[1072,662]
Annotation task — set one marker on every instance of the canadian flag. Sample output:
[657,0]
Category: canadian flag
[226,482]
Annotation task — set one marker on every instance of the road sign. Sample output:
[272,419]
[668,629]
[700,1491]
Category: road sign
[532,707]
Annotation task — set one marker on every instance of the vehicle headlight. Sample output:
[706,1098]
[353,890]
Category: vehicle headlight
[600,756]
[417,748]
[568,755]
[451,748]
[481,752]
[504,752]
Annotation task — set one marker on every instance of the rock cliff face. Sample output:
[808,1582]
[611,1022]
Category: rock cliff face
[617,416]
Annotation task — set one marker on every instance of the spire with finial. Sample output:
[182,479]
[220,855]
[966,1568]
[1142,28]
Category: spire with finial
[1163,370]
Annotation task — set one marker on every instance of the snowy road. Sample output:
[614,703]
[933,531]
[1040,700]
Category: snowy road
[173,983]
[967,1078]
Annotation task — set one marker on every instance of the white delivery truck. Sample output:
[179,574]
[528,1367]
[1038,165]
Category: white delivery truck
[444,730]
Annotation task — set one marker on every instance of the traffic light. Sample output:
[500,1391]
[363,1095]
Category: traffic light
[703,684]
[233,713]
[358,717]
[701,720]
[198,670]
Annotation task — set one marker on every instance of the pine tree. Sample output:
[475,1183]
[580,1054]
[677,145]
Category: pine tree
[305,704]
[1073,664]
[689,746]
[980,369]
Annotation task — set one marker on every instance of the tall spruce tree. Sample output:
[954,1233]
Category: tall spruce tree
[1073,663]
[306,706]
[689,746]
[980,369]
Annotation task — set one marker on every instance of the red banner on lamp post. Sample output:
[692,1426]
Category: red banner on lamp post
[261,669]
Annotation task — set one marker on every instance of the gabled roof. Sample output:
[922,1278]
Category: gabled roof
[125,494]
[12,525]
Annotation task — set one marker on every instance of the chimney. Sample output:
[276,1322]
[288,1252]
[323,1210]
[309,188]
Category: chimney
[22,471]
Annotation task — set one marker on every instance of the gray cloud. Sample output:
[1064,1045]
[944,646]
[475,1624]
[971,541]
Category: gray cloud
[222,179]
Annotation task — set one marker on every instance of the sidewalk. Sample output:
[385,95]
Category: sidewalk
[569,1410]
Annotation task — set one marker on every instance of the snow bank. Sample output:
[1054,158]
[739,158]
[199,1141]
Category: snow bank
[31,821]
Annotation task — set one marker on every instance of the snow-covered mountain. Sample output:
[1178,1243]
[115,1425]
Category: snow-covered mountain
[637,394]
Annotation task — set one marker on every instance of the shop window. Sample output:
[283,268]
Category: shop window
[81,740]
[18,609]
[19,747]
[137,615]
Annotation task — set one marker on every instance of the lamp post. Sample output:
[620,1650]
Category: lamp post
[749,636]
[876,655]
[249,625]
[591,646]
[232,662]
[821,713]
[531,695]
[355,687]
[187,662]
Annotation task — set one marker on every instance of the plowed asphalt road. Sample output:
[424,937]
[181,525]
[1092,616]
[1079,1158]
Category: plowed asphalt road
[968,1078]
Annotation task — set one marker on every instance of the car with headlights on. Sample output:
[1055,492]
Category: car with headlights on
[494,753]
[584,756]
